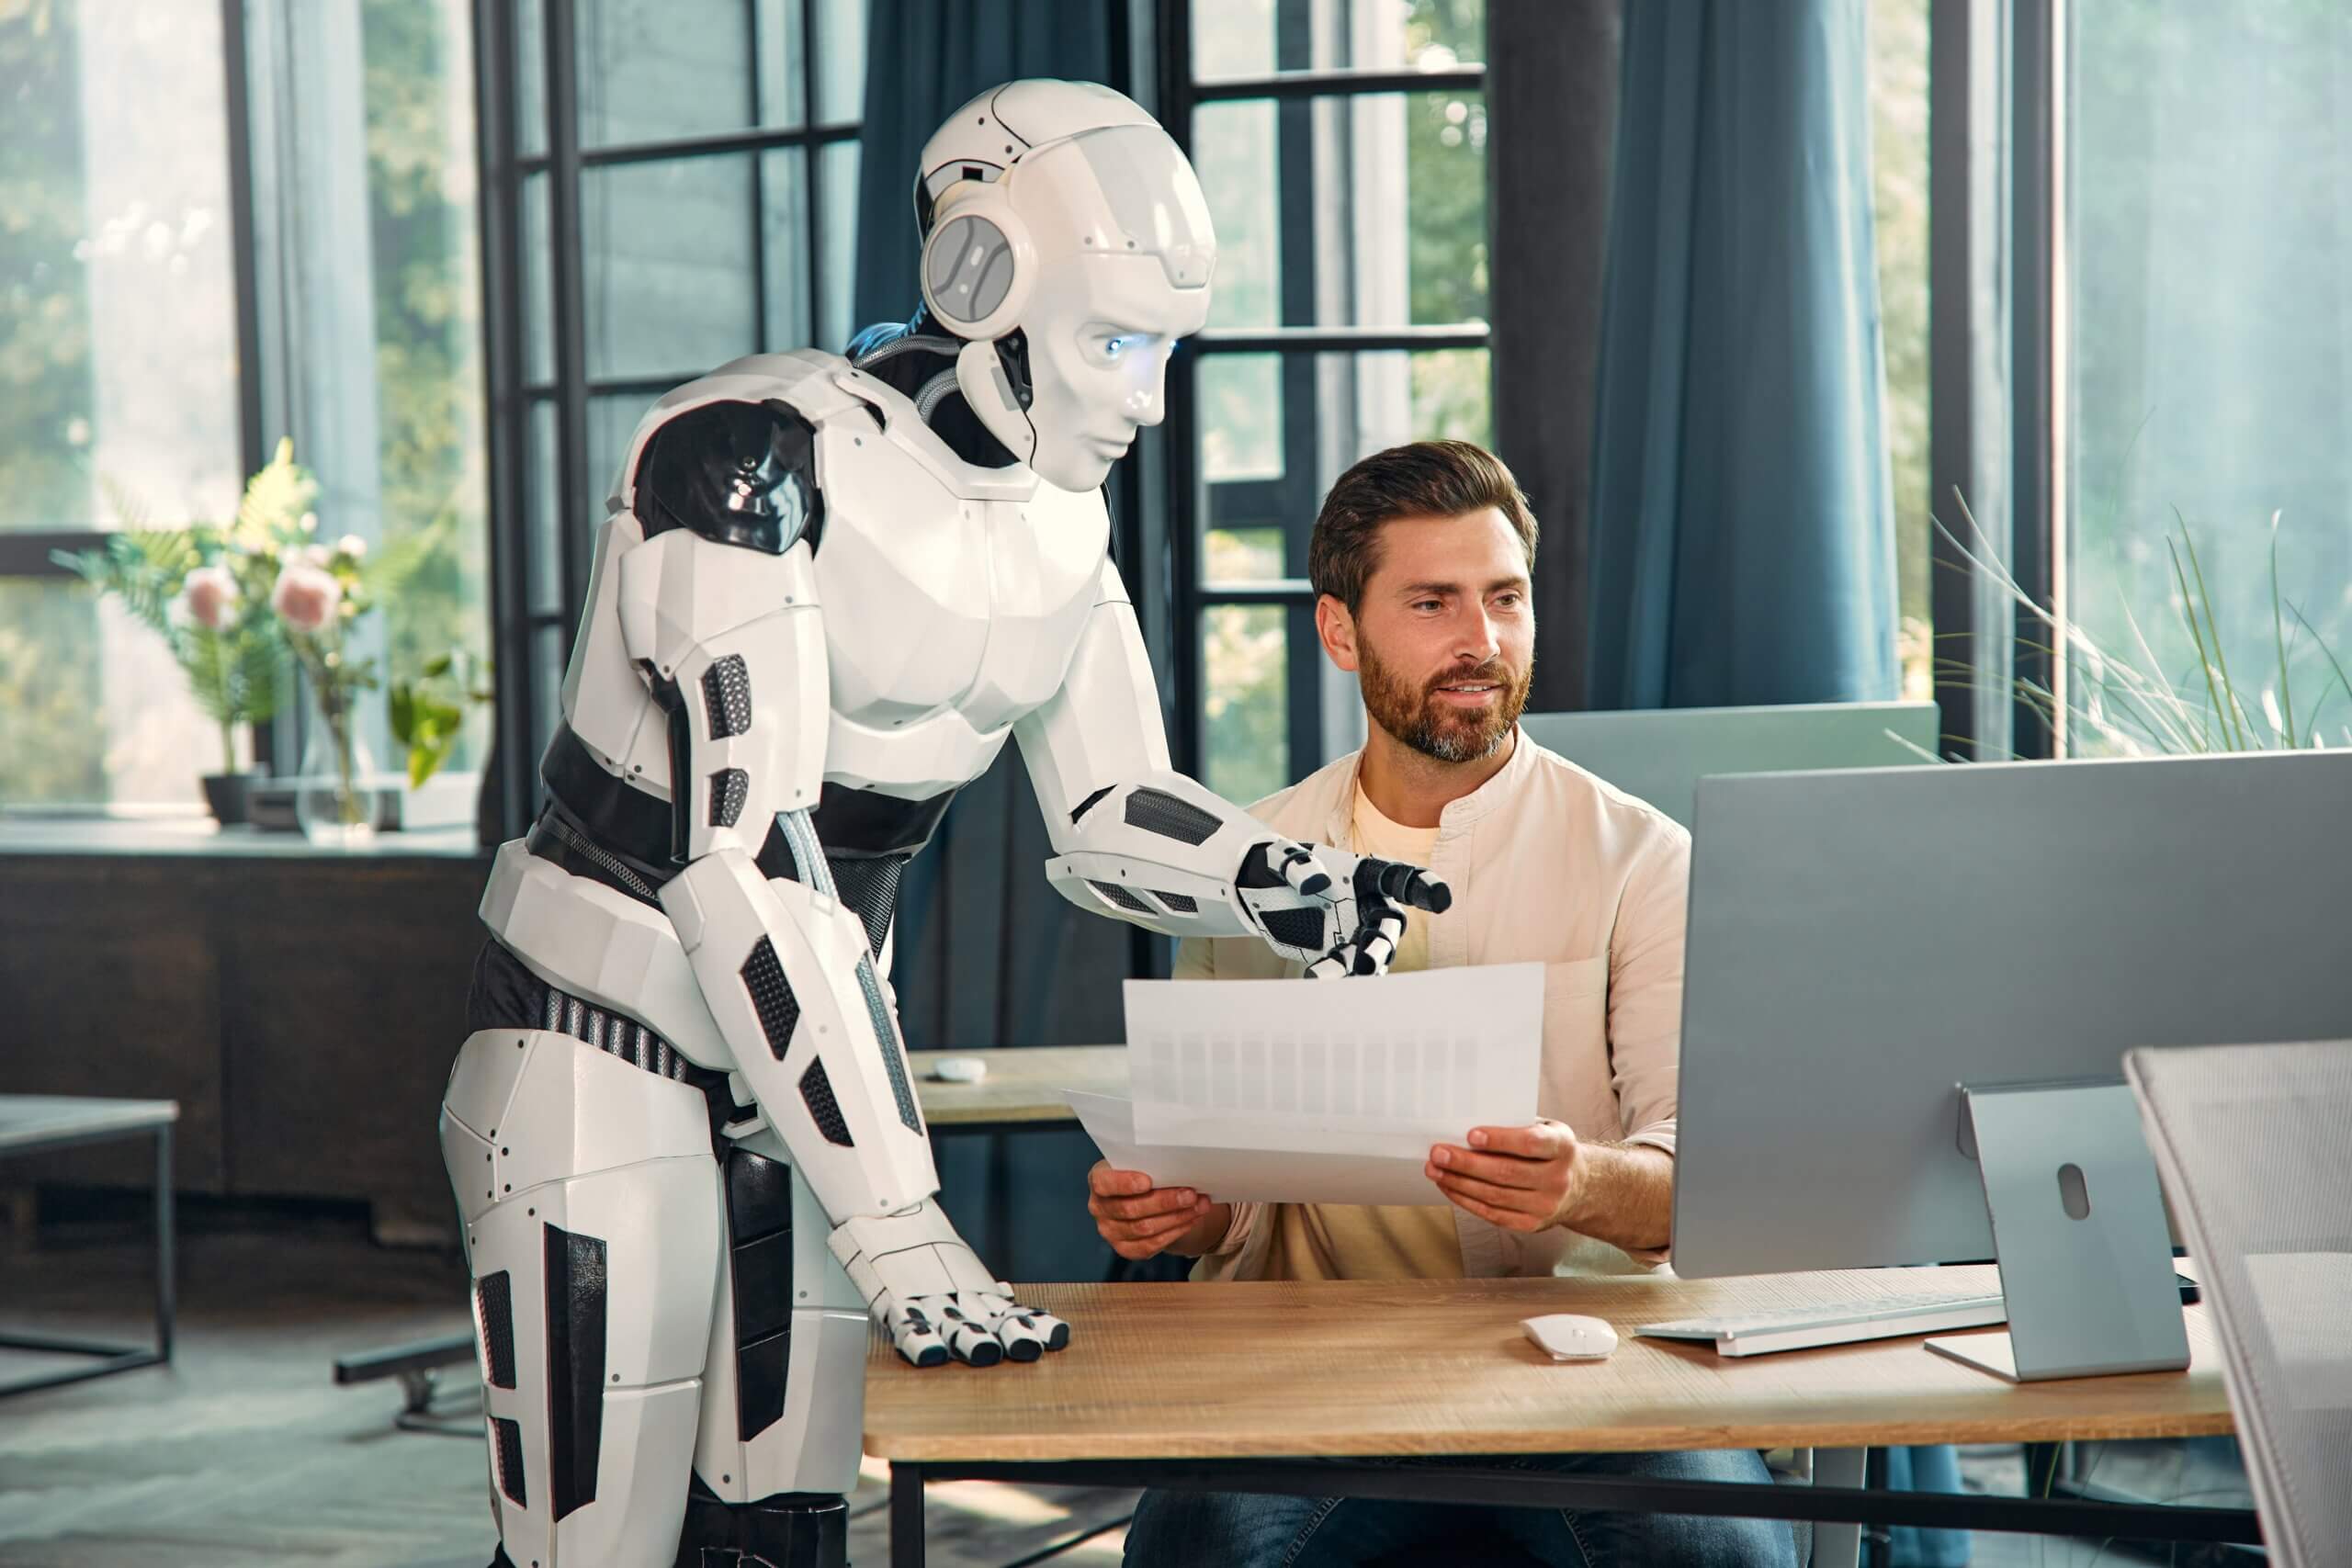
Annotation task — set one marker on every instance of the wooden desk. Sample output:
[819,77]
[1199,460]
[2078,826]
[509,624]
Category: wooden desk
[1171,1383]
[1023,1088]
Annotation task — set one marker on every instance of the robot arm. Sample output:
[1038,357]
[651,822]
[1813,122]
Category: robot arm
[1138,841]
[720,615]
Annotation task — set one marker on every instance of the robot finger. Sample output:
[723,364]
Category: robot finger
[1300,868]
[1376,941]
[1382,881]
[1336,964]
[975,1345]
[1028,1335]
[914,1336]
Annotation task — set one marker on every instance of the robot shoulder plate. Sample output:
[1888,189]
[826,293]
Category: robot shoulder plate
[733,456]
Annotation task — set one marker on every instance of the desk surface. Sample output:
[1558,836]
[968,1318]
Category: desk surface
[1022,1085]
[1441,1367]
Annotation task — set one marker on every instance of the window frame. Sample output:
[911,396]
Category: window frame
[520,629]
[1188,502]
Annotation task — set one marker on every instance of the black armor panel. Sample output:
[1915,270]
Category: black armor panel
[738,473]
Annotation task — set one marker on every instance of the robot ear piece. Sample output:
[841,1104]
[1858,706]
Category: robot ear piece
[980,264]
[989,393]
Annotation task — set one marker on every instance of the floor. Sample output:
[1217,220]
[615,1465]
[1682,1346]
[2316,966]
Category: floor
[244,1451]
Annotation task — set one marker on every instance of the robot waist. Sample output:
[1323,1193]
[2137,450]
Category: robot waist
[634,828]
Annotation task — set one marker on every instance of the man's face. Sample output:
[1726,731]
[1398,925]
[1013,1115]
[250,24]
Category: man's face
[1444,644]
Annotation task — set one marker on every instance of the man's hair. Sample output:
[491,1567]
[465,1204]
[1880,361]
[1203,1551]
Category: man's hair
[1421,479]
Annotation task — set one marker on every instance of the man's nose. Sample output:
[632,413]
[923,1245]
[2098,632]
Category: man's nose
[1479,642]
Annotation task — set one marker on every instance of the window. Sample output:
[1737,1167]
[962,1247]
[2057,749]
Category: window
[1898,101]
[119,363]
[673,186]
[138,386]
[1342,149]
[2206,343]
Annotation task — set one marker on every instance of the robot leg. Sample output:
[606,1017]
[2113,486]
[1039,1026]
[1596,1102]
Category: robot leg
[592,1231]
[785,1380]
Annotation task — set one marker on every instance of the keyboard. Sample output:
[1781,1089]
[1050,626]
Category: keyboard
[1846,1322]
[1835,1323]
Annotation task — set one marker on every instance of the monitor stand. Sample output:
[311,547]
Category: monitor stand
[2078,1229]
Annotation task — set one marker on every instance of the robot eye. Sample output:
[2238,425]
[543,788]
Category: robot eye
[1111,349]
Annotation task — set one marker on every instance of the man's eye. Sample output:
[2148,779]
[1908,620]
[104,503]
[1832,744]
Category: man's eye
[1425,604]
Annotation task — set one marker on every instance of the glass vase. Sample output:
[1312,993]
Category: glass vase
[334,800]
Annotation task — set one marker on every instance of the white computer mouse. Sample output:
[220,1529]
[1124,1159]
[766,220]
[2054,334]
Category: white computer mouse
[959,1069]
[1568,1337]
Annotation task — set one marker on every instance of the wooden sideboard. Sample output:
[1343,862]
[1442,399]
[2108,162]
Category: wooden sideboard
[302,1006]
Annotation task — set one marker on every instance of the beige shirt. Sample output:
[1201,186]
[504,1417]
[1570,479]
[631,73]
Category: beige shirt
[1347,1241]
[1548,865]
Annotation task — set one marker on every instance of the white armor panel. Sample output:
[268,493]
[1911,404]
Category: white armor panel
[601,945]
[592,1232]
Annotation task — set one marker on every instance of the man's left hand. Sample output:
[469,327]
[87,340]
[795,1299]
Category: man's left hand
[1523,1179]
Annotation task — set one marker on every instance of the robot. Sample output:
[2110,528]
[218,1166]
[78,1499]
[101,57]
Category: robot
[682,1135]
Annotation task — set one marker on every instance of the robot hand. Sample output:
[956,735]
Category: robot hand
[1339,913]
[932,1297]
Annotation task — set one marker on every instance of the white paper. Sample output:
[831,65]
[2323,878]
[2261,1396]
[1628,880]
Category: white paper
[1382,1067]
[1240,1175]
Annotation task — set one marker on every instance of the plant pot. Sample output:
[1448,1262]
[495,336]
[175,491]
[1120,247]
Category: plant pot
[228,795]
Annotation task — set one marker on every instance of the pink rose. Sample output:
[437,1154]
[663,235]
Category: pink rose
[212,594]
[305,597]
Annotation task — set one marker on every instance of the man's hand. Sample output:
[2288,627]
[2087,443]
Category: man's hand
[1142,1221]
[1523,1179]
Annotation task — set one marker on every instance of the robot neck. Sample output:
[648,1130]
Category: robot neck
[916,358]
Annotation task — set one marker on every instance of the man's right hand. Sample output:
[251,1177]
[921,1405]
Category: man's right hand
[1142,1221]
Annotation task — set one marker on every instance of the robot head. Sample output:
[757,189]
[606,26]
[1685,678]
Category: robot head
[1067,241]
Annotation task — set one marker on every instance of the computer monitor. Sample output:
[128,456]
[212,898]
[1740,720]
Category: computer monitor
[1863,943]
[1659,755]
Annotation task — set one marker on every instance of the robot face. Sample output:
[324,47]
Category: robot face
[1125,250]
[1101,333]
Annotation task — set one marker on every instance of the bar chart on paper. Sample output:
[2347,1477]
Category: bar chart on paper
[1319,1090]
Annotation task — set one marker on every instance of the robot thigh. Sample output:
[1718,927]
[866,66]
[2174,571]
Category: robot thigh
[593,1227]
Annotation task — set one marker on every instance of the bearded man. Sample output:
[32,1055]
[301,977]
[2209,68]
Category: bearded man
[1420,560]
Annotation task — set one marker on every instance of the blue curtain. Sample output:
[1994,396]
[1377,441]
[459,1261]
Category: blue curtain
[1743,542]
[986,954]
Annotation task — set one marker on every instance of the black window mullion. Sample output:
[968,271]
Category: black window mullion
[1301,405]
[565,271]
[759,183]
[764,140]
[1172,39]
[813,258]
[496,82]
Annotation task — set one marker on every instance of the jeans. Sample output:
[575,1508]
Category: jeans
[1234,1530]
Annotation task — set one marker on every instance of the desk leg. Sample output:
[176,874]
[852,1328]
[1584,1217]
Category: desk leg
[165,1294]
[906,1515]
[1838,1546]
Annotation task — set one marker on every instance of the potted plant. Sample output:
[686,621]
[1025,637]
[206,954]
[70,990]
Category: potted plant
[184,585]
[428,714]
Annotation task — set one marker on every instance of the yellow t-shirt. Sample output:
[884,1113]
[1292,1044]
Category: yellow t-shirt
[1343,1241]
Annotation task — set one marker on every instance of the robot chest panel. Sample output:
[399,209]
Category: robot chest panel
[938,603]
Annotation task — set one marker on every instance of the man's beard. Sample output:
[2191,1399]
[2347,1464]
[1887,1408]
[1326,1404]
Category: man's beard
[1412,714]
